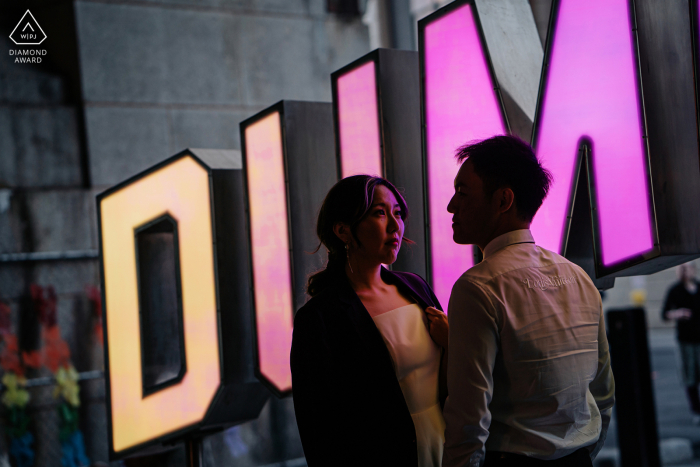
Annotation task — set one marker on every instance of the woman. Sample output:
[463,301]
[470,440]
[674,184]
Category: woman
[364,365]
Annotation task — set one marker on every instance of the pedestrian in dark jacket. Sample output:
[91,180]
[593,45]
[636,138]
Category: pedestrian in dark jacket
[682,305]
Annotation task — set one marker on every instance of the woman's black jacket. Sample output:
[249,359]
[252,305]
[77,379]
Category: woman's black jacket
[349,406]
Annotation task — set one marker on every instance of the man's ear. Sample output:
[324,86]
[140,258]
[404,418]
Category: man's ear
[342,231]
[506,199]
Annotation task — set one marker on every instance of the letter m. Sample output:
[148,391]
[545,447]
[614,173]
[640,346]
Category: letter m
[616,111]
[591,111]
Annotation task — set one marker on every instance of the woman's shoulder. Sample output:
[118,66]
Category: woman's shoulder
[320,305]
[419,286]
[412,279]
[315,303]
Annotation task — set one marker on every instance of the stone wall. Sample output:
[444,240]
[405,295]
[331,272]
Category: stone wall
[158,77]
[44,207]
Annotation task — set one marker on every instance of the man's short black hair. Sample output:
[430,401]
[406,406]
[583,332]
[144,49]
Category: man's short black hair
[507,161]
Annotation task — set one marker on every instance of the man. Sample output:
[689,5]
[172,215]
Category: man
[528,376]
[683,305]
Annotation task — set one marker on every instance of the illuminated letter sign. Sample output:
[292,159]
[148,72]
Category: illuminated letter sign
[461,104]
[165,273]
[289,162]
[634,145]
[358,121]
[599,108]
[377,121]
[628,122]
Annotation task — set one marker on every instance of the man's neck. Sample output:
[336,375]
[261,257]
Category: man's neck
[501,230]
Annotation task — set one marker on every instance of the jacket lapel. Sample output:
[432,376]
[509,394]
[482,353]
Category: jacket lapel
[406,288]
[357,313]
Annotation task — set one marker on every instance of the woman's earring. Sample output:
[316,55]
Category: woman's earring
[347,253]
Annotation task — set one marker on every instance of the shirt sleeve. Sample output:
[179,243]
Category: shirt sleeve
[473,345]
[603,385]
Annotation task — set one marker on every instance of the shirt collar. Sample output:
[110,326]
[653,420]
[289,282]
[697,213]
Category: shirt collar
[508,238]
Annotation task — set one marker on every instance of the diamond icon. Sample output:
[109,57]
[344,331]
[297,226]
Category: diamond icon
[28,31]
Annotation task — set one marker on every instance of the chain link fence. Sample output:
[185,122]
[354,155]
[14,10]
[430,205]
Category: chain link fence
[272,440]
[45,422]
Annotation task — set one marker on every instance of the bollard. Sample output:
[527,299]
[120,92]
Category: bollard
[634,395]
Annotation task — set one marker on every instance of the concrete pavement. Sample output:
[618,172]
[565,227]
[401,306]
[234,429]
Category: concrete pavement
[679,438]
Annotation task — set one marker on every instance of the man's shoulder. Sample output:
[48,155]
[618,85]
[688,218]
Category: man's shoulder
[515,258]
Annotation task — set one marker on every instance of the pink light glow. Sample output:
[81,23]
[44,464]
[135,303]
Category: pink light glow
[592,91]
[358,122]
[270,248]
[461,105]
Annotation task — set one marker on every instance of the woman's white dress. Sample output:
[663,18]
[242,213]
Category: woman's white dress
[417,362]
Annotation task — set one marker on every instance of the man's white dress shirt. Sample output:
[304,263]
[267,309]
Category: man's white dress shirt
[529,367]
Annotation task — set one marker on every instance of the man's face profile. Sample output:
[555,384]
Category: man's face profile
[473,213]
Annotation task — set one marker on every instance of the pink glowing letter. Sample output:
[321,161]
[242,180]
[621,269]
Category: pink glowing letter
[269,226]
[460,106]
[358,122]
[592,92]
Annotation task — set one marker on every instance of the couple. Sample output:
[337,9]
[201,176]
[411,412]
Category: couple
[528,380]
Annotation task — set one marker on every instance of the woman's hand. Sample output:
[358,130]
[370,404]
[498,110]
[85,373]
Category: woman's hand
[437,326]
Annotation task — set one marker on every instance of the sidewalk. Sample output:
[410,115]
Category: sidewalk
[678,437]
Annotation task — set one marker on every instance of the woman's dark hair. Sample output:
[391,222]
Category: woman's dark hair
[508,161]
[348,202]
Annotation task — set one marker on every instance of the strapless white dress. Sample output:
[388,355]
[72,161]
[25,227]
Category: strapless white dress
[417,362]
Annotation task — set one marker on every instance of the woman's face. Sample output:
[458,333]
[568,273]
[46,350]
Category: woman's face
[381,231]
